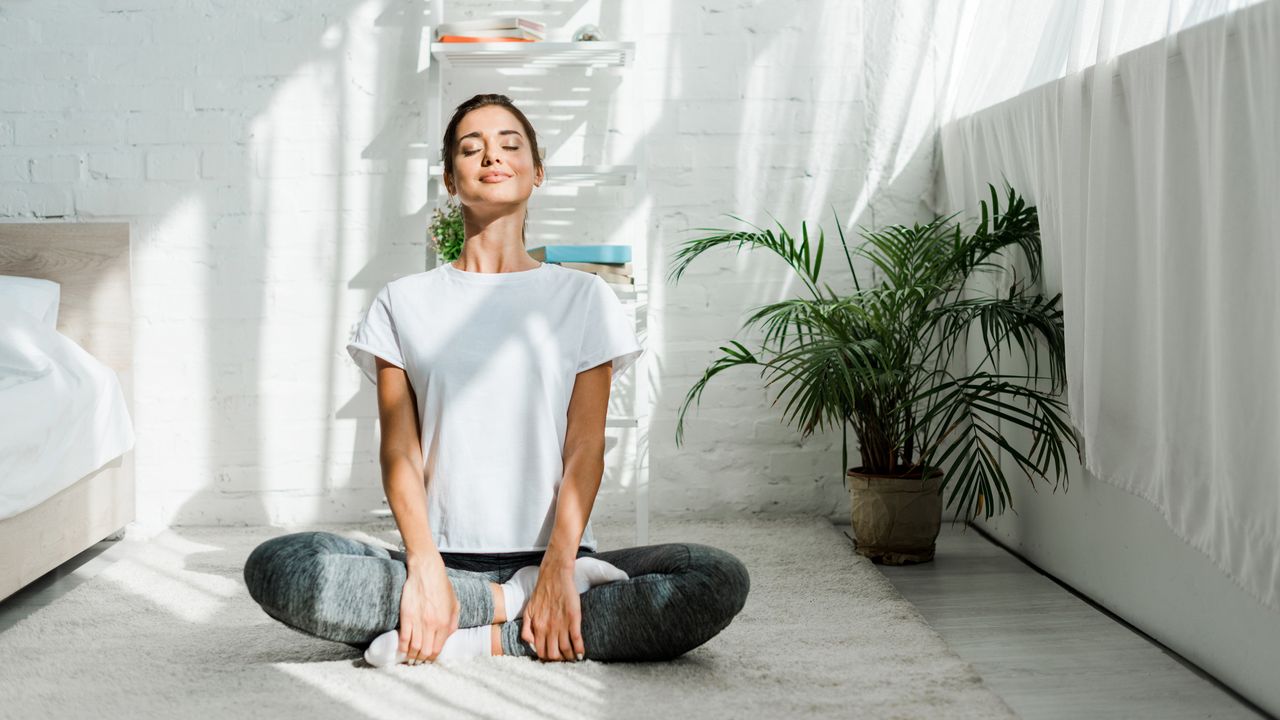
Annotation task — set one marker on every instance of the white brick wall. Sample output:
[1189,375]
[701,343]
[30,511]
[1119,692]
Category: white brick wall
[268,157]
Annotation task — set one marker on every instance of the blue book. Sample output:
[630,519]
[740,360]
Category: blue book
[582,253]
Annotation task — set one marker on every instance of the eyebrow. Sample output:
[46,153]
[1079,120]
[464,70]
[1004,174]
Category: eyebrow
[477,134]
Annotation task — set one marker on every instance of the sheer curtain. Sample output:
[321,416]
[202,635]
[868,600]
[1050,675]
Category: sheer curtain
[1148,135]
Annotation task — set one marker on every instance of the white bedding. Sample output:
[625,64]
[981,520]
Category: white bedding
[62,412]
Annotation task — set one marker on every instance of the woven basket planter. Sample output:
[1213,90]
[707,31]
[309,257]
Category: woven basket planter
[895,518]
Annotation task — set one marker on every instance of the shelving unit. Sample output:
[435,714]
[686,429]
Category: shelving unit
[545,54]
[549,56]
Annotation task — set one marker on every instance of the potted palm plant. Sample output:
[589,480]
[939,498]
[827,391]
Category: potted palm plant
[882,359]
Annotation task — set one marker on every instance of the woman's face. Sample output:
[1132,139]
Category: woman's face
[492,160]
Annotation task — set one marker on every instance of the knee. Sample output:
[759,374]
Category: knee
[270,562]
[727,576]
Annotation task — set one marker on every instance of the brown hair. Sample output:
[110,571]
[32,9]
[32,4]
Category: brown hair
[450,142]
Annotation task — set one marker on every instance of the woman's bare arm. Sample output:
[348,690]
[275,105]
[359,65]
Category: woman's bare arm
[428,607]
[553,615]
[401,459]
[583,464]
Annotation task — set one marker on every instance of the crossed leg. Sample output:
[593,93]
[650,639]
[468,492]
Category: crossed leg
[677,596]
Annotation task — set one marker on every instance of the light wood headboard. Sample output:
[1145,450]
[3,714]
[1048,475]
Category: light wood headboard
[91,263]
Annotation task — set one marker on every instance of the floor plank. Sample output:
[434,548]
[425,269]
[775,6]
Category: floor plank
[1048,652]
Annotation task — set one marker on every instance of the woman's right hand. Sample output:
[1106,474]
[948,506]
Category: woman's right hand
[428,611]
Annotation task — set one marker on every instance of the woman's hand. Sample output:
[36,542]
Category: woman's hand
[428,611]
[553,616]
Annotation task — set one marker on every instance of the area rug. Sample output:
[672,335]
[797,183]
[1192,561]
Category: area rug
[169,630]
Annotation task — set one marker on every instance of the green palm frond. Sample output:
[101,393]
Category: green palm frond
[783,245]
[733,357]
[878,359]
[1024,319]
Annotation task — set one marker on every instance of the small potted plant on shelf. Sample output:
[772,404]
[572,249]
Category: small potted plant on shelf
[881,359]
[446,231]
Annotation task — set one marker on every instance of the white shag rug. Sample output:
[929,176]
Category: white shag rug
[170,631]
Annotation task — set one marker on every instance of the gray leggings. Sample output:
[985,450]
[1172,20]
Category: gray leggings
[678,595]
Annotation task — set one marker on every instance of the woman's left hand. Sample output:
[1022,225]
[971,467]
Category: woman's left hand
[553,616]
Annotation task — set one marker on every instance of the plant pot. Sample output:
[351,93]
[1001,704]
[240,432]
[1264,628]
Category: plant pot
[896,518]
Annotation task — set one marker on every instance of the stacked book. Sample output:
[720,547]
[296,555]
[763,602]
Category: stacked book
[502,29]
[611,262]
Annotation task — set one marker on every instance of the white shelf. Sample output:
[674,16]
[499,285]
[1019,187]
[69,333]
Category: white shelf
[539,54]
[576,175]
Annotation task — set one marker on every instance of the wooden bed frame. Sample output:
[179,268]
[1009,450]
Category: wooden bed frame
[91,262]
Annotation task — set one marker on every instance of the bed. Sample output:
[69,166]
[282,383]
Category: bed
[66,435]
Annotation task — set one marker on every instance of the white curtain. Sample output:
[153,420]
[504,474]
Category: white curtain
[1148,135]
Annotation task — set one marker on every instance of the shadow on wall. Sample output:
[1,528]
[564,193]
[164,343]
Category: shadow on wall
[810,135]
[270,204]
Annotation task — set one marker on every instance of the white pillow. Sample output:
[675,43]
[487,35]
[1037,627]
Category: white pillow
[34,295]
[24,345]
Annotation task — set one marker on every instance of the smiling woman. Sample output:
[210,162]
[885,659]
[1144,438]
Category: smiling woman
[492,451]
[491,161]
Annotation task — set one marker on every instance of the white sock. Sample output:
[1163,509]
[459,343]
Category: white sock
[587,573]
[516,591]
[477,641]
[463,643]
[469,642]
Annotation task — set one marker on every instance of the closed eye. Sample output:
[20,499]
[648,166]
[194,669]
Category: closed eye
[466,153]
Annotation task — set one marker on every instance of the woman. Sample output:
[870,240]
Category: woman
[493,376]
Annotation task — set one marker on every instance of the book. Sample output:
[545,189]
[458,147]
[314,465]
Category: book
[582,253]
[464,27]
[465,39]
[494,35]
[617,279]
[618,268]
[613,279]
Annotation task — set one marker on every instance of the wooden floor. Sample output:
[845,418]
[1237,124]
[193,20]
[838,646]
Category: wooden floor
[1048,652]
[1045,650]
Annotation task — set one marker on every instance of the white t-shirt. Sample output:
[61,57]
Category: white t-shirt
[492,358]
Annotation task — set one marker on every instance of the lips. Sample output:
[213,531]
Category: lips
[494,177]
